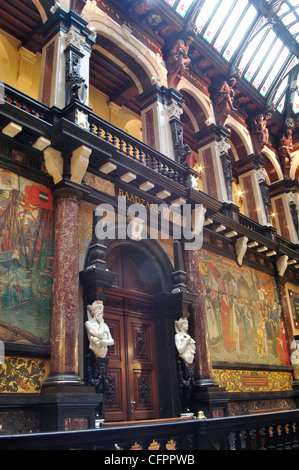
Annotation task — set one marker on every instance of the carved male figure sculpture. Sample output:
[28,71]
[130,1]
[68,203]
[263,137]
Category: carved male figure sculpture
[223,101]
[260,135]
[178,61]
[284,152]
[97,330]
[184,343]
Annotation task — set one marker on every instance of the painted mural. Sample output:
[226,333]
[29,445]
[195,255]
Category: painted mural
[243,318]
[26,259]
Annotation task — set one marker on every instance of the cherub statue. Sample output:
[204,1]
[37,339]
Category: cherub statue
[184,343]
[97,330]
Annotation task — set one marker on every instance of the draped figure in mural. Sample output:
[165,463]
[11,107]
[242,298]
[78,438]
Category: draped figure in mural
[228,341]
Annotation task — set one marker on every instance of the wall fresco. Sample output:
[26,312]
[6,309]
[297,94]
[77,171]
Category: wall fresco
[26,259]
[23,375]
[243,318]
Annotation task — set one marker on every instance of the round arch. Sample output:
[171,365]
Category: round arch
[151,63]
[153,257]
[201,100]
[242,133]
[270,155]
[294,165]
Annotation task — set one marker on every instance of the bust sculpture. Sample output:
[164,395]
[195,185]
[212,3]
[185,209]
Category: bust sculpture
[184,343]
[97,330]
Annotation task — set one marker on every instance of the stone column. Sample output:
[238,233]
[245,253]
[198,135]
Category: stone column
[66,402]
[285,206]
[216,174]
[207,395]
[253,185]
[198,322]
[157,108]
[285,317]
[65,297]
[65,59]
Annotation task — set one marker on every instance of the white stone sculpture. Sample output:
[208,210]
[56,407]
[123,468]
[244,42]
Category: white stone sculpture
[184,343]
[97,330]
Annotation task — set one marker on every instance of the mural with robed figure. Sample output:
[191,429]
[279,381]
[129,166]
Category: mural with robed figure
[243,317]
[26,259]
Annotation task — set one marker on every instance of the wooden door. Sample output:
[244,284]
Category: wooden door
[132,393]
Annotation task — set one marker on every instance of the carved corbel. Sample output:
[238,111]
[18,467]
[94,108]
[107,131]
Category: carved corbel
[241,248]
[79,163]
[282,264]
[54,163]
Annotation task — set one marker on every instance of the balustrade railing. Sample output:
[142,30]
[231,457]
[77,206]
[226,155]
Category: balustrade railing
[138,151]
[21,101]
[266,431]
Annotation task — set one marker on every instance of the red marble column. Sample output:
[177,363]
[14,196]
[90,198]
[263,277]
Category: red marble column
[285,317]
[65,293]
[198,322]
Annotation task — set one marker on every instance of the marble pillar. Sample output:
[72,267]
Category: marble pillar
[158,106]
[198,321]
[215,162]
[286,319]
[253,184]
[284,197]
[65,298]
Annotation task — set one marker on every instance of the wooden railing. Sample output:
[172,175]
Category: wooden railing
[266,431]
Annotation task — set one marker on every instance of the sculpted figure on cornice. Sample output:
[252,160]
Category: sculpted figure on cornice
[284,152]
[223,101]
[178,61]
[259,132]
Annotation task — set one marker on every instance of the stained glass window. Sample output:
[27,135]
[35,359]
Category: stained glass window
[227,24]
[183,7]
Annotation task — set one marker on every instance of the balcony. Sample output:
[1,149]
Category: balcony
[265,431]
[116,155]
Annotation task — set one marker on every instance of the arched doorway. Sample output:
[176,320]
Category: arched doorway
[133,392]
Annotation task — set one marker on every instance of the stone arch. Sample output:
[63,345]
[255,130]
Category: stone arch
[147,61]
[294,165]
[40,9]
[242,133]
[273,167]
[202,102]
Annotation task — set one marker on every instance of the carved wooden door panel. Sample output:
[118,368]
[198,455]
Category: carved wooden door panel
[132,392]
[142,374]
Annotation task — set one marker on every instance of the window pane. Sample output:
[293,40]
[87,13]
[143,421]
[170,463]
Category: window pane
[259,55]
[280,107]
[239,34]
[183,7]
[216,21]
[275,70]
[230,24]
[204,14]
